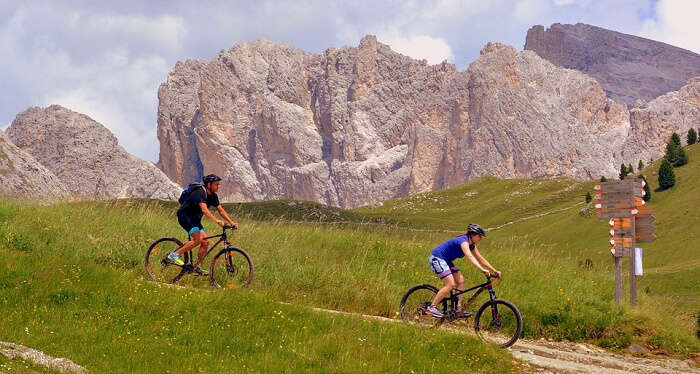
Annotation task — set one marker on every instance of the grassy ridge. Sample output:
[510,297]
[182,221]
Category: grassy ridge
[557,271]
[74,294]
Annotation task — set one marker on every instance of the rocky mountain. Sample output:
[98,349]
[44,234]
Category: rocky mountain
[628,67]
[22,176]
[86,157]
[359,125]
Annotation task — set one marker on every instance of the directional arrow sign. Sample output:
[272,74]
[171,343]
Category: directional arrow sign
[644,219]
[645,238]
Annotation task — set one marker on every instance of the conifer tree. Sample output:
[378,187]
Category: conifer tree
[647,190]
[692,136]
[667,178]
[630,170]
[676,139]
[682,157]
[640,166]
[603,179]
[672,152]
[588,197]
[623,171]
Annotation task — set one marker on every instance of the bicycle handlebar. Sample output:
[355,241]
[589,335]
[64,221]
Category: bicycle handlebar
[229,227]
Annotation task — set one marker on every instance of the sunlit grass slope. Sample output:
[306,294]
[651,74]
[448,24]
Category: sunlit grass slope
[72,285]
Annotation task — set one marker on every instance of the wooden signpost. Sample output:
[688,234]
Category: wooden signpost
[622,204]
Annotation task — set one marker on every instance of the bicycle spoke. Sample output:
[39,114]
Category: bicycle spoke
[414,304]
[157,266]
[231,268]
[498,323]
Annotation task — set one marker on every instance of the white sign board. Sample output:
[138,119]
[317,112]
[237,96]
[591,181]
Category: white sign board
[638,261]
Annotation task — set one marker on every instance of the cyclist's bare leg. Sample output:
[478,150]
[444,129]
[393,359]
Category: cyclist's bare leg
[202,250]
[193,243]
[459,281]
[449,282]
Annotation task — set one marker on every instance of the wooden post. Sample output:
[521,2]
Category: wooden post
[618,280]
[633,273]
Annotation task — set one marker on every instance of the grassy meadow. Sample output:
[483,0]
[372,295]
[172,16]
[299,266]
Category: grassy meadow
[72,281]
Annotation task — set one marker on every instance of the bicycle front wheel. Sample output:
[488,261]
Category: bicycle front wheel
[498,322]
[157,267]
[231,268]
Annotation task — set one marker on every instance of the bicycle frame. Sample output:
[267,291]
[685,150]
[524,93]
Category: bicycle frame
[488,285]
[222,238]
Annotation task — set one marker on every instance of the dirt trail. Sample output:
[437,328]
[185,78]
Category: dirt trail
[565,357]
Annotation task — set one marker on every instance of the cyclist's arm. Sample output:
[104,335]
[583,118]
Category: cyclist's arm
[483,261]
[223,213]
[470,257]
[207,213]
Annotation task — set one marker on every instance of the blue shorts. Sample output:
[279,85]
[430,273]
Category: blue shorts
[441,267]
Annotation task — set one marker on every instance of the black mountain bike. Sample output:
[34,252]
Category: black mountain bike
[231,267]
[496,322]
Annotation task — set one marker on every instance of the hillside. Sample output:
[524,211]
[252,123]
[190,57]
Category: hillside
[556,268]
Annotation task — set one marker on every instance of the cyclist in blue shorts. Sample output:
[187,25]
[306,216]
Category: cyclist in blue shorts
[194,206]
[441,262]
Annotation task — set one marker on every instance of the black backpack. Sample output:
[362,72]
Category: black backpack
[188,190]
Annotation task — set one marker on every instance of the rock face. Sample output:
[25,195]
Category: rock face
[360,125]
[86,157]
[628,67]
[23,176]
[654,122]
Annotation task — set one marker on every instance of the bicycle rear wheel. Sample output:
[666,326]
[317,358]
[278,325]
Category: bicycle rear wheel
[414,304]
[231,268]
[156,266]
[498,322]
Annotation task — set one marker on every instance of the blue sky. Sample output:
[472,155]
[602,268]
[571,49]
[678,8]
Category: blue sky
[107,59]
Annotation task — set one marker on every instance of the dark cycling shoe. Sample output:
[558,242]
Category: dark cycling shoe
[462,313]
[199,272]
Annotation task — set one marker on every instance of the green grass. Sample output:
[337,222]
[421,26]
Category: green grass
[72,285]
[557,270]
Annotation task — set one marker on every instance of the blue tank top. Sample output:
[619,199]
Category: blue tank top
[450,249]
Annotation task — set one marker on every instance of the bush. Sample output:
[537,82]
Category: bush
[588,197]
[603,179]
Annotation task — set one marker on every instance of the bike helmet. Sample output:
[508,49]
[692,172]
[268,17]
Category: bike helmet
[474,228]
[210,179]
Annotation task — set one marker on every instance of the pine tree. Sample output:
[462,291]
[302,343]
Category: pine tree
[630,170]
[682,157]
[667,178]
[623,171]
[647,190]
[603,179]
[676,139]
[692,136]
[672,152]
[588,197]
[640,166]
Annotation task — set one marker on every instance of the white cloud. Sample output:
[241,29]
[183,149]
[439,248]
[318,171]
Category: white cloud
[106,66]
[675,23]
[434,50]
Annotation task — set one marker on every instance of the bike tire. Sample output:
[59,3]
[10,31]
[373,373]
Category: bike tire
[501,327]
[413,303]
[224,273]
[156,253]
